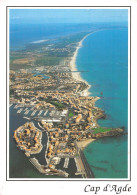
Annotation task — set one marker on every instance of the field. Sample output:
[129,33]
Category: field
[101,130]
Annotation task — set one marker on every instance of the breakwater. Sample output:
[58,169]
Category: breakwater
[88,172]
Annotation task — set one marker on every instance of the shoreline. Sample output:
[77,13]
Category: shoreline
[73,66]
[83,144]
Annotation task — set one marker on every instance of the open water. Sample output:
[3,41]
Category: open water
[105,55]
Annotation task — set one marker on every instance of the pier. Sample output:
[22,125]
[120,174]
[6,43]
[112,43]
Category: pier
[80,167]
[66,163]
[20,110]
[16,106]
[26,109]
[40,113]
[88,171]
[27,112]
[52,113]
[33,113]
[36,164]
[45,113]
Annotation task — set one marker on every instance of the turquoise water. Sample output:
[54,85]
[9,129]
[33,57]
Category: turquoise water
[105,56]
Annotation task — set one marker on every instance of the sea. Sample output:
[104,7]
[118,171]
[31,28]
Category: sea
[104,55]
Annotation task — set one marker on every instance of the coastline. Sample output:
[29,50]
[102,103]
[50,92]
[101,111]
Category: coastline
[83,144]
[73,67]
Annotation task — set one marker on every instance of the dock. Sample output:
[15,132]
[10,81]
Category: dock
[11,105]
[36,164]
[27,112]
[33,113]
[40,112]
[20,110]
[16,106]
[45,113]
[52,113]
[66,163]
[80,167]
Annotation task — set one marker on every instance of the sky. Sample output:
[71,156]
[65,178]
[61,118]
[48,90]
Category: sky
[41,16]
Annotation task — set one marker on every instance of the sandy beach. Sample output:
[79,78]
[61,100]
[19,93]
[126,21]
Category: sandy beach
[83,144]
[76,75]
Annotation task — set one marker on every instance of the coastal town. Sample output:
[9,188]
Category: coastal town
[57,98]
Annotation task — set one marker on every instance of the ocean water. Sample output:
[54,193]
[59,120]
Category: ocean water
[105,56]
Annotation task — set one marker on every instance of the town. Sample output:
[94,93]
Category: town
[68,117]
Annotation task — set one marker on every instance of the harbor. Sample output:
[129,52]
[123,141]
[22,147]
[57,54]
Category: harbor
[66,164]
[47,114]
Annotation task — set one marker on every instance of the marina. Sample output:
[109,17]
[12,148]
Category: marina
[48,115]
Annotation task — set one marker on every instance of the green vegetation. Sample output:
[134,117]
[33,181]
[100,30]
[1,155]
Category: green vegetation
[101,130]
[12,58]
[37,46]
[48,61]
[49,53]
[19,66]
[57,104]
[14,55]
[71,39]
[70,114]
